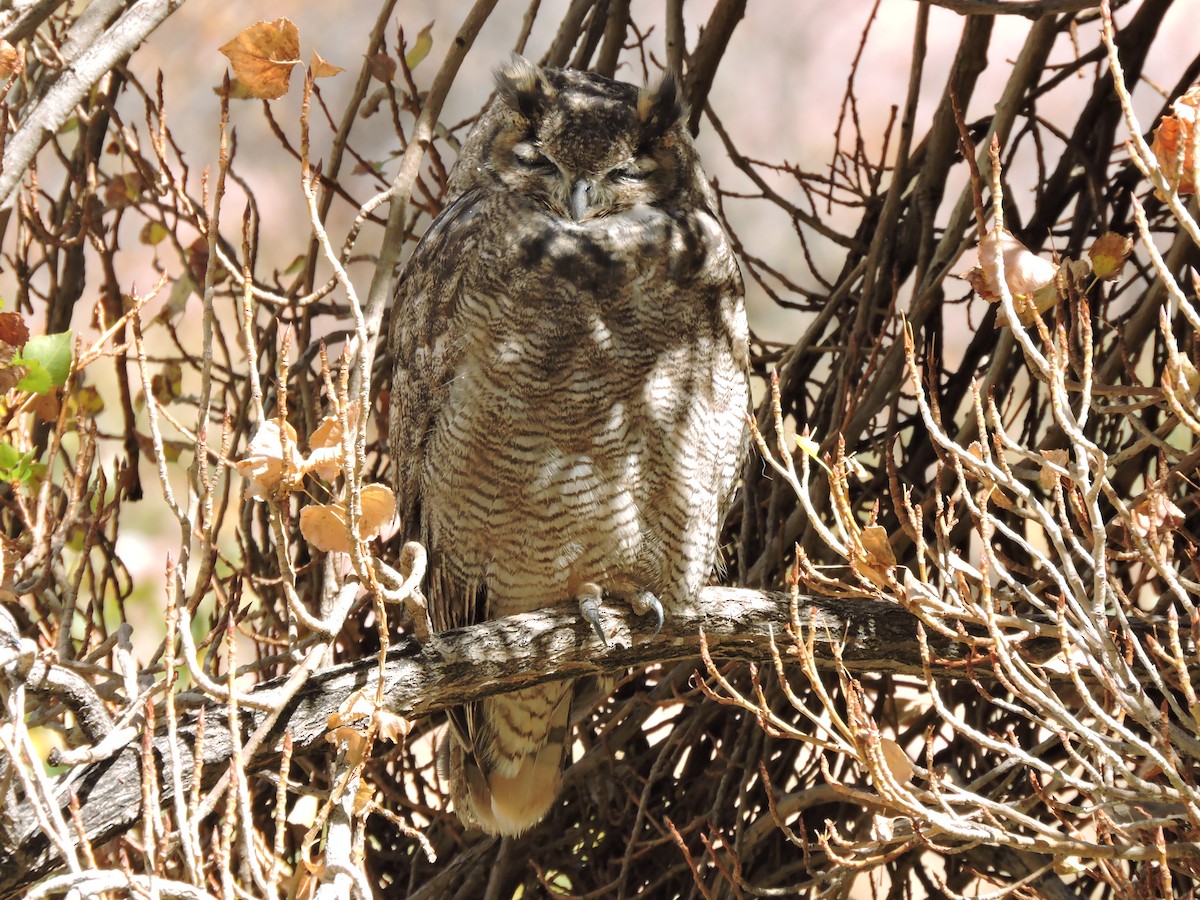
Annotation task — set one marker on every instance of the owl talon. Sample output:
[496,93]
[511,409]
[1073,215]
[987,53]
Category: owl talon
[590,598]
[644,602]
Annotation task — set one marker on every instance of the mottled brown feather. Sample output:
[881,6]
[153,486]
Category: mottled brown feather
[570,390]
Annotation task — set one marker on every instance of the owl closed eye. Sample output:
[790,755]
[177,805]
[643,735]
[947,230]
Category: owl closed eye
[587,148]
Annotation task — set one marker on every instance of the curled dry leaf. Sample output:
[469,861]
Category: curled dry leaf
[272,460]
[348,725]
[327,525]
[12,60]
[349,722]
[1109,254]
[381,66]
[1175,145]
[878,560]
[392,726]
[322,68]
[1024,271]
[364,796]
[1048,478]
[1155,515]
[325,444]
[262,58]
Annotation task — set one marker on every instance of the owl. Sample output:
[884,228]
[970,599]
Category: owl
[570,393]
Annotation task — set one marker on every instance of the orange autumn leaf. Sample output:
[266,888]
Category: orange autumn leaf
[1175,145]
[262,58]
[12,60]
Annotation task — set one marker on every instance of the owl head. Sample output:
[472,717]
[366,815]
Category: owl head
[582,145]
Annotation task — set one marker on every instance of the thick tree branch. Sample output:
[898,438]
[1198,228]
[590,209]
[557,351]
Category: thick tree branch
[107,52]
[471,663]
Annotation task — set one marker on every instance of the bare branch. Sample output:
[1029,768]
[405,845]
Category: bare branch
[495,657]
[73,85]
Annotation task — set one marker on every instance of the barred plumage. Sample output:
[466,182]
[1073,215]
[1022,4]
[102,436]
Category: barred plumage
[570,390]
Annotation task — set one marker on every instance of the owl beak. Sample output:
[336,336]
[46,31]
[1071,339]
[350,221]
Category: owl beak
[583,199]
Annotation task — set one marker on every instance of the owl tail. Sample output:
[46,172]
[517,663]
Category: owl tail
[505,780]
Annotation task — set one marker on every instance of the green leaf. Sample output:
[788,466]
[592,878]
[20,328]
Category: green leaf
[37,380]
[48,358]
[17,466]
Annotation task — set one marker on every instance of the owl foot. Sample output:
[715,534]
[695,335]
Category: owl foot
[644,602]
[590,597]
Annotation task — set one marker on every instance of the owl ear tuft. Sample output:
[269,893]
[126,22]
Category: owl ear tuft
[660,107]
[522,87]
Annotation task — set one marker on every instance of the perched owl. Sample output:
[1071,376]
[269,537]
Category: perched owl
[570,392]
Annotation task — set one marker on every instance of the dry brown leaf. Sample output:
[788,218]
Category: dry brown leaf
[1024,271]
[1048,478]
[363,796]
[326,456]
[357,708]
[1175,145]
[898,764]
[878,560]
[392,726]
[322,68]
[876,542]
[1155,515]
[327,525]
[262,58]
[13,330]
[263,464]
[1109,254]
[46,406]
[979,284]
[12,60]
[325,462]
[378,508]
[381,66]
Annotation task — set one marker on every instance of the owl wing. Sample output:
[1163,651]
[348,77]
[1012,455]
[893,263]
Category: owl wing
[426,352]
